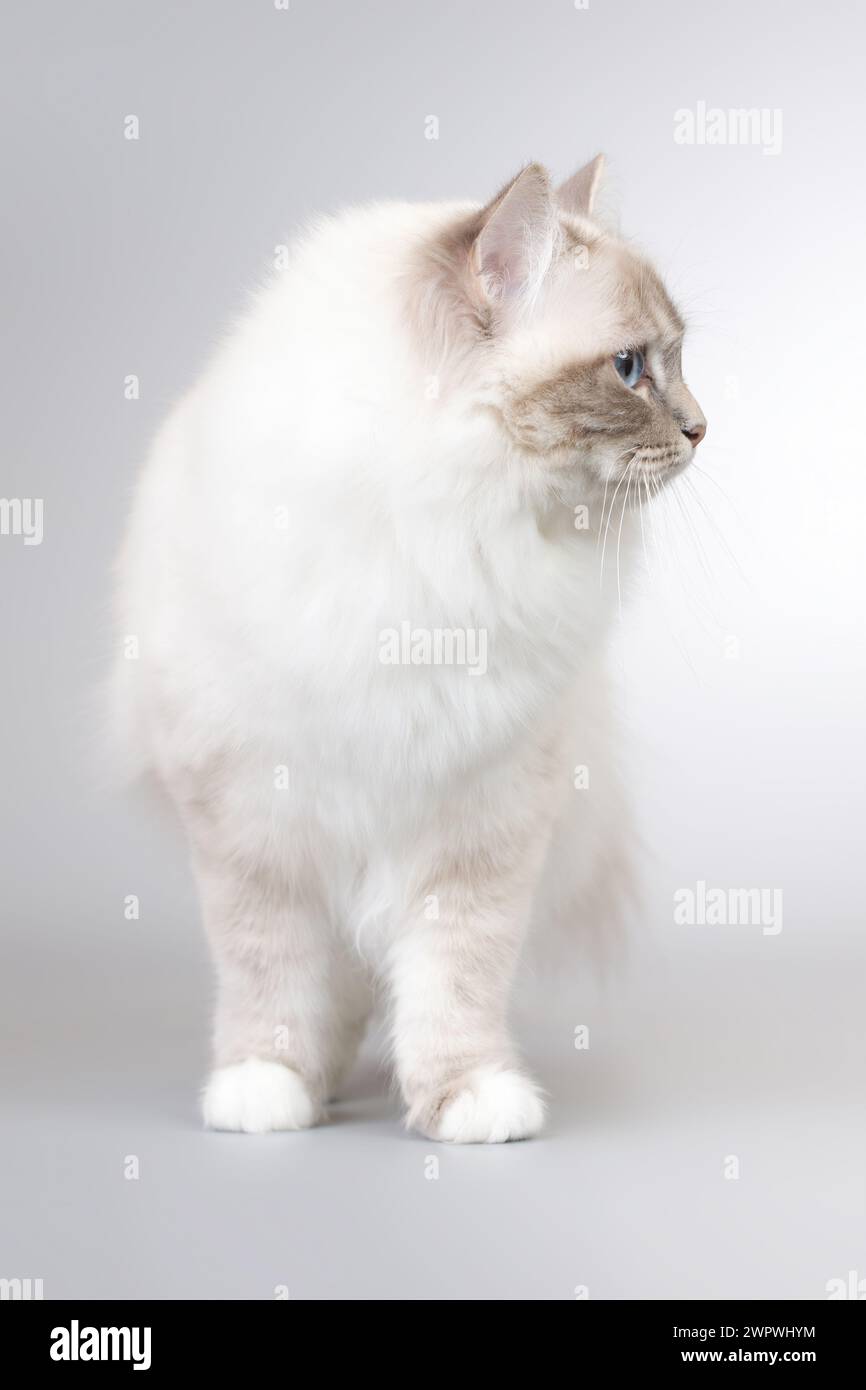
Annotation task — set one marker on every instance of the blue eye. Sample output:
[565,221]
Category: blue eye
[629,364]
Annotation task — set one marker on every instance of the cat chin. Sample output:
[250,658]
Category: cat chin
[666,472]
[652,470]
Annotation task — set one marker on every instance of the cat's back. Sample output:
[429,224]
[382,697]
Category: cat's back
[262,500]
[334,324]
[323,371]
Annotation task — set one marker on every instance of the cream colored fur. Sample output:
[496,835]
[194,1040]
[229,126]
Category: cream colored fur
[347,465]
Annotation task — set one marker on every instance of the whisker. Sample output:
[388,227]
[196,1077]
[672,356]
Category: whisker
[642,484]
[690,527]
[628,474]
[607,528]
[603,505]
[717,530]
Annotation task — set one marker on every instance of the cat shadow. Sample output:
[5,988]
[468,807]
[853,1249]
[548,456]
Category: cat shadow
[366,1097]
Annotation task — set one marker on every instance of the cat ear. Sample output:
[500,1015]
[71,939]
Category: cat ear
[578,193]
[513,249]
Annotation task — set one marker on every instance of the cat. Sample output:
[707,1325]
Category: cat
[405,435]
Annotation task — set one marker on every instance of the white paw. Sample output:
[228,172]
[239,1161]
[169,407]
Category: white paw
[490,1107]
[256,1096]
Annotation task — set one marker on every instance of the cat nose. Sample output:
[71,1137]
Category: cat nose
[695,432]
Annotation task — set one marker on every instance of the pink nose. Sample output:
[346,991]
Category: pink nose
[695,433]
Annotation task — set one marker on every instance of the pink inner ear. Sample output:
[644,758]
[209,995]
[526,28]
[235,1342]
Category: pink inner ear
[500,270]
[514,240]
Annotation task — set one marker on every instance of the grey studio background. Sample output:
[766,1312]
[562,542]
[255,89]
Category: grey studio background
[741,658]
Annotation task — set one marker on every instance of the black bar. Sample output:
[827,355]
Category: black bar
[238,1337]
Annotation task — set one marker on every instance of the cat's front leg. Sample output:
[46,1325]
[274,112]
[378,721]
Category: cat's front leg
[451,969]
[291,1005]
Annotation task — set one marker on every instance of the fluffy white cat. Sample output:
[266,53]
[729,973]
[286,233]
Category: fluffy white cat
[362,573]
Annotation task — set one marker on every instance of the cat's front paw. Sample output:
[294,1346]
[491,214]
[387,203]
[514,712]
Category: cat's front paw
[486,1106]
[256,1096]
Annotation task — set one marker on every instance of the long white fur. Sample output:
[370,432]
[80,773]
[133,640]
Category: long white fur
[354,825]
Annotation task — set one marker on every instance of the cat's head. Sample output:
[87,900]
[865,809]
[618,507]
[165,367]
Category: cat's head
[582,338]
